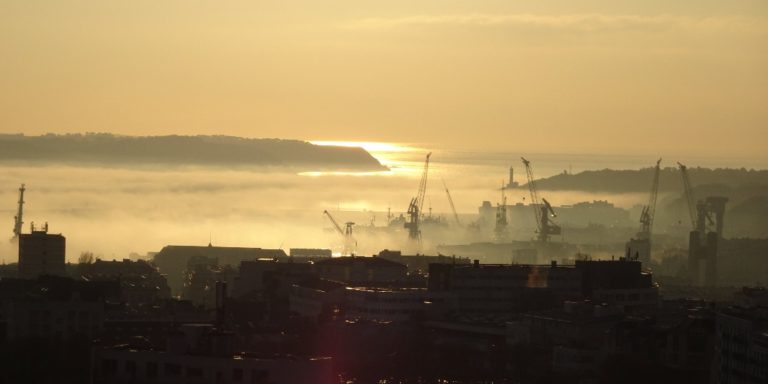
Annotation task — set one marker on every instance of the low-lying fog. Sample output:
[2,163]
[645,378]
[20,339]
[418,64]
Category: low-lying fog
[115,211]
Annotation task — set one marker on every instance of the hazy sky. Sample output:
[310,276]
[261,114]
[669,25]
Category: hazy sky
[578,76]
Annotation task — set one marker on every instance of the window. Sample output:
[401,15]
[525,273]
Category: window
[194,372]
[151,370]
[172,369]
[130,369]
[258,376]
[108,367]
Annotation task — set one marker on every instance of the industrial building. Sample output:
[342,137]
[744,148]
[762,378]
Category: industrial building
[497,288]
[41,253]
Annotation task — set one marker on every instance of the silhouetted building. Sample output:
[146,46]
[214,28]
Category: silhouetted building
[420,263]
[502,288]
[140,282]
[316,299]
[41,253]
[50,307]
[384,304]
[172,259]
[257,275]
[494,288]
[357,270]
[313,253]
[741,346]
[201,276]
[199,353]
[576,335]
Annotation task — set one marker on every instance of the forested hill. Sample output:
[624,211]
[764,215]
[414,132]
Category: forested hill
[618,181]
[108,149]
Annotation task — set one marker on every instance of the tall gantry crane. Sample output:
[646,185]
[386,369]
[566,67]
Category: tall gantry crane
[649,211]
[18,220]
[453,207]
[350,244]
[545,227]
[414,208]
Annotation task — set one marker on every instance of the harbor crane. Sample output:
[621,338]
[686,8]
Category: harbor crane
[350,244]
[545,227]
[453,207]
[698,211]
[18,220]
[639,248]
[649,210]
[688,194]
[414,208]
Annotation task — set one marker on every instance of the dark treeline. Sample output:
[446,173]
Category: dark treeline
[621,181]
[108,149]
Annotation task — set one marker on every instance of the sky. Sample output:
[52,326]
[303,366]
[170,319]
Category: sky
[601,76]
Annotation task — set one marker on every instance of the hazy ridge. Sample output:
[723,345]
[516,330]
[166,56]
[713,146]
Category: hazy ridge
[114,150]
[625,181]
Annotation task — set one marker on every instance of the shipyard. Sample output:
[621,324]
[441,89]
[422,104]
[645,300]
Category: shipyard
[514,292]
[367,192]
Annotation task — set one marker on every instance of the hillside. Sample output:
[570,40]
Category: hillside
[622,181]
[107,149]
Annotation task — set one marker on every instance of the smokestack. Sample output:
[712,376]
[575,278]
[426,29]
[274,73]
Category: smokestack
[511,176]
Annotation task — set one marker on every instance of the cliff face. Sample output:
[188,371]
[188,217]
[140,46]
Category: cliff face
[107,149]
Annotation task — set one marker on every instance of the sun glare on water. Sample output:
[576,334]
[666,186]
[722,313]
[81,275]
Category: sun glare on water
[394,156]
[370,146]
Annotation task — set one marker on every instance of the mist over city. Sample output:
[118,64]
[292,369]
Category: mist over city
[409,192]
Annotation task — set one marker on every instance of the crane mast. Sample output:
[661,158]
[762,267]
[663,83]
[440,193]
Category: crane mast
[649,211]
[453,207]
[19,218]
[541,211]
[688,194]
[415,207]
[349,241]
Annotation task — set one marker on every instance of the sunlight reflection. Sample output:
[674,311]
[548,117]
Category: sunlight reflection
[401,159]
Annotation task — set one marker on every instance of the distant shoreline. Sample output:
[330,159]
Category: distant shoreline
[102,149]
[627,181]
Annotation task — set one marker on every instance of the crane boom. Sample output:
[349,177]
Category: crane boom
[415,207]
[453,207]
[532,190]
[423,183]
[688,194]
[649,211]
[349,240]
[335,224]
[19,218]
[541,210]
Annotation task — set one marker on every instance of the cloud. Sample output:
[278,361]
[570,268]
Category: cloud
[581,22]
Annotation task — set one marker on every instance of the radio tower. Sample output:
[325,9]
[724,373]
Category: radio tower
[18,220]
